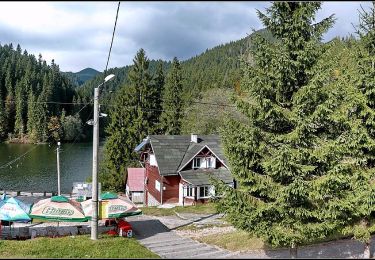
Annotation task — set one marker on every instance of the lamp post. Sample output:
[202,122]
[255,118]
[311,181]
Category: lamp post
[58,169]
[95,147]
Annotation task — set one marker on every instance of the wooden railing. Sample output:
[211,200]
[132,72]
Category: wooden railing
[32,193]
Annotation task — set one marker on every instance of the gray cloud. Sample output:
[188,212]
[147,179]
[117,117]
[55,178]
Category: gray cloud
[163,29]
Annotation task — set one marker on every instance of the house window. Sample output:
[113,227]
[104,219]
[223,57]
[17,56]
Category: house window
[196,163]
[204,192]
[209,162]
[189,192]
[157,185]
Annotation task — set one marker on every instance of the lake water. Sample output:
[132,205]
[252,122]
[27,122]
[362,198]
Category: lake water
[37,170]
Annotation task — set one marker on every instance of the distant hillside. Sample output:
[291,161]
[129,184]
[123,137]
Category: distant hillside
[86,90]
[79,78]
[216,67]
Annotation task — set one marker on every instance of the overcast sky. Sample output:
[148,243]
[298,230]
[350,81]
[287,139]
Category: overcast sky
[78,34]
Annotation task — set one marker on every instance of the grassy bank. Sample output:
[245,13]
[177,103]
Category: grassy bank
[234,241]
[75,247]
[208,208]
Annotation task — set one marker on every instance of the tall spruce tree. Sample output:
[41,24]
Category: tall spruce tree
[41,119]
[366,60]
[123,137]
[159,81]
[31,117]
[365,75]
[3,123]
[19,125]
[300,162]
[143,91]
[22,77]
[129,124]
[170,119]
[10,106]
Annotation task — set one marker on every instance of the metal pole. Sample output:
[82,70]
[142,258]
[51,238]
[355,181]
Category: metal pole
[183,195]
[58,169]
[95,147]
[161,191]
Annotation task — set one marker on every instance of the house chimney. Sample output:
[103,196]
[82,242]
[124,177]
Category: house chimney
[194,138]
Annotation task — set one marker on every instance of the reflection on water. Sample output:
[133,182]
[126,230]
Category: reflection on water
[37,170]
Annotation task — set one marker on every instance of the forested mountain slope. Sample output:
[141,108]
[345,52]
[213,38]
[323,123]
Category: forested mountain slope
[31,93]
[80,77]
[216,67]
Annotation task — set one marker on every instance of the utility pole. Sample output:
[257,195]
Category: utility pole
[58,169]
[95,147]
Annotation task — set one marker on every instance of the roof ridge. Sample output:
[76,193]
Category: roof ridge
[178,167]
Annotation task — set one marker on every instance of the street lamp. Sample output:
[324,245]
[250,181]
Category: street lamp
[58,168]
[95,147]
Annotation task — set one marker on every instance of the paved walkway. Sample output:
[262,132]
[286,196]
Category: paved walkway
[157,234]
[151,233]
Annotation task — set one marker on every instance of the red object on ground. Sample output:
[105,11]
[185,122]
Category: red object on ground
[112,232]
[110,222]
[122,223]
[124,228]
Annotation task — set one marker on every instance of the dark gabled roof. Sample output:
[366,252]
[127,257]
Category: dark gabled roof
[202,176]
[211,141]
[169,150]
[174,151]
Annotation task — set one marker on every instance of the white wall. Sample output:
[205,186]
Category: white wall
[153,160]
[137,197]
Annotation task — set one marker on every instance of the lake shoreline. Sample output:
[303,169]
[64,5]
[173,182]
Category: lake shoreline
[33,168]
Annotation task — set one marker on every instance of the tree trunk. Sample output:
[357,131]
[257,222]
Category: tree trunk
[293,251]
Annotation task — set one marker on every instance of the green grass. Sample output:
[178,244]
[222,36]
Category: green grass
[207,208]
[75,247]
[234,241]
[242,241]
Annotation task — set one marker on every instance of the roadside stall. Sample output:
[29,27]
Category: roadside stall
[112,208]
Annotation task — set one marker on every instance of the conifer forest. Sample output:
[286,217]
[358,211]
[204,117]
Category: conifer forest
[296,116]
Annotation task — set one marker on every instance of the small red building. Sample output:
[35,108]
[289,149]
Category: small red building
[135,184]
[179,168]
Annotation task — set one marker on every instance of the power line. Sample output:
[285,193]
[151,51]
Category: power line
[48,102]
[23,155]
[113,35]
[16,159]
[185,112]
[91,103]
[65,103]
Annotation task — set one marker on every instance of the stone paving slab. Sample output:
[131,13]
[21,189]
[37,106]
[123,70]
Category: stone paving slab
[158,238]
[174,243]
[189,253]
[217,254]
[174,248]
[158,241]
